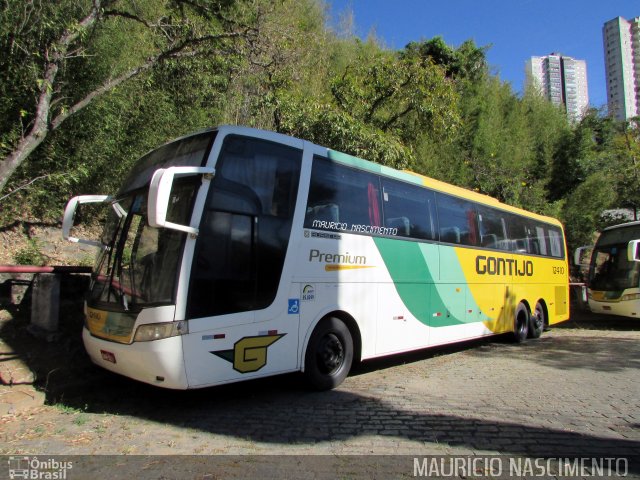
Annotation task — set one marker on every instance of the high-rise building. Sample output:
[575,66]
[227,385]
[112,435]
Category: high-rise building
[622,66]
[563,80]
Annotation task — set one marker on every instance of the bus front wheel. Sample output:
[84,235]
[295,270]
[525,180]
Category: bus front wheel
[521,324]
[329,354]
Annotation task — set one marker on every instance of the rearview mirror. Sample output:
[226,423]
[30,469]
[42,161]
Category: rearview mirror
[70,212]
[579,254]
[633,251]
[160,195]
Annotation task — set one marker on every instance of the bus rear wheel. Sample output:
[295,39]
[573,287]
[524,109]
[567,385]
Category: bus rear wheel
[521,324]
[329,354]
[538,321]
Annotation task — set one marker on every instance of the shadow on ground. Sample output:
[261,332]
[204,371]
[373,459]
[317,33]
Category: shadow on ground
[281,411]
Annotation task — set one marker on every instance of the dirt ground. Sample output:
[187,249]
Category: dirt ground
[461,399]
[47,240]
[44,383]
[476,398]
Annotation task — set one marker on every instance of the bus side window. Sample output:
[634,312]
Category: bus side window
[450,234]
[492,228]
[518,234]
[457,220]
[327,213]
[542,240]
[341,198]
[401,224]
[409,209]
[555,239]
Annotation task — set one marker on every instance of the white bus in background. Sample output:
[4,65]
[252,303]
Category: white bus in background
[614,271]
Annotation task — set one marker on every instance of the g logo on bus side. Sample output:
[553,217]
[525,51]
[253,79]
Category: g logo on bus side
[249,354]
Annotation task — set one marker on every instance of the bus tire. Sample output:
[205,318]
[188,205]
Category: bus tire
[538,321]
[521,324]
[329,354]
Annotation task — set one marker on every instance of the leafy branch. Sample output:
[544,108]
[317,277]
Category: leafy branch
[184,41]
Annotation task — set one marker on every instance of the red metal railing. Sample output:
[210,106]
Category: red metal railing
[51,269]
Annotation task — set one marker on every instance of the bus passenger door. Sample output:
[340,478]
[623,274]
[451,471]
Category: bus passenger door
[241,322]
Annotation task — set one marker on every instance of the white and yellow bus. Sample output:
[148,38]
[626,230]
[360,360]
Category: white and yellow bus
[236,253]
[614,271]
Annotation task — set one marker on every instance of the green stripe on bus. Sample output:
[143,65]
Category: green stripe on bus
[368,166]
[413,267]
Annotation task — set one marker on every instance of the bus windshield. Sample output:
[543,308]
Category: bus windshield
[610,268]
[138,265]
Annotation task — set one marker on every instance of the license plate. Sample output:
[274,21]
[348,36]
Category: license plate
[108,356]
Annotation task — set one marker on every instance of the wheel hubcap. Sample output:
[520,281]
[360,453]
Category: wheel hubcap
[539,318]
[330,353]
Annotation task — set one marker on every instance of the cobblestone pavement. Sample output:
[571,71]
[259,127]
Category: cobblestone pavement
[573,392]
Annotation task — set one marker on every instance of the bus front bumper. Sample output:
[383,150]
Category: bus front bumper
[629,309]
[158,362]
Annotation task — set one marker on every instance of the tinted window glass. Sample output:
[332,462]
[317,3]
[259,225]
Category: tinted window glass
[245,228]
[519,234]
[555,240]
[408,209]
[261,173]
[344,199]
[188,152]
[349,200]
[457,220]
[528,236]
[492,228]
[542,240]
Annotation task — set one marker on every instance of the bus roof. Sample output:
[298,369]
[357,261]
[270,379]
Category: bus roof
[404,175]
[623,225]
[432,183]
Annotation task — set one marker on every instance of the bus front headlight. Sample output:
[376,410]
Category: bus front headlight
[158,331]
[630,296]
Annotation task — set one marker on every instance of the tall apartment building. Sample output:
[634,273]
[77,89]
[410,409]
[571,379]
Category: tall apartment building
[622,66]
[563,80]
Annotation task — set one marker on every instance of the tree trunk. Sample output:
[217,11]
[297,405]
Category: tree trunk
[46,121]
[24,148]
[54,56]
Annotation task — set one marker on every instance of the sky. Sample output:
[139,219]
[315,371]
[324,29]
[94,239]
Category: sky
[515,30]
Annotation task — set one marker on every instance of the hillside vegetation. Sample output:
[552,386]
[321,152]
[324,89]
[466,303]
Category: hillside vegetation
[88,86]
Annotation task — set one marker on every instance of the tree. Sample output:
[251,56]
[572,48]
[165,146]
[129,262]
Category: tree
[625,166]
[468,61]
[288,57]
[49,44]
[580,152]
[378,105]
[583,208]
[397,94]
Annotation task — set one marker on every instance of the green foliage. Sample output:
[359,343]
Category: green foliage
[467,62]
[26,29]
[326,126]
[397,94]
[581,212]
[625,165]
[31,254]
[430,107]
[98,144]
